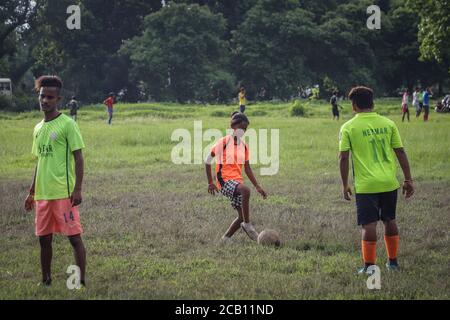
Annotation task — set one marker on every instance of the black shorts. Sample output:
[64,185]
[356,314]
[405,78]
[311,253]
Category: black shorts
[335,111]
[371,207]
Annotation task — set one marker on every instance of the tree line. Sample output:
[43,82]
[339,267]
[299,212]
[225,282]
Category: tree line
[204,50]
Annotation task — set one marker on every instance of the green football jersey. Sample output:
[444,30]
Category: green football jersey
[371,139]
[53,144]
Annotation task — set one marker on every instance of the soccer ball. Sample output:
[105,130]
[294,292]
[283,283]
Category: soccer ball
[269,237]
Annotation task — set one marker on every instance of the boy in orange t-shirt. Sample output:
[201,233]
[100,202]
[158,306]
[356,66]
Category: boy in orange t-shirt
[231,153]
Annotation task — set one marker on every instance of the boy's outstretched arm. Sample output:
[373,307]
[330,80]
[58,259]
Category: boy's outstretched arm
[212,188]
[408,188]
[251,176]
[344,168]
[29,201]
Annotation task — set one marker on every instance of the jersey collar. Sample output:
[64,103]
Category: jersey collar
[366,114]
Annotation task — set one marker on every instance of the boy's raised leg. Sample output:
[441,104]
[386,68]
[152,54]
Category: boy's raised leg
[246,225]
[235,225]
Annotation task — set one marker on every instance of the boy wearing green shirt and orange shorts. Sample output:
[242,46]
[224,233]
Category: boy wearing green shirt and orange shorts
[374,142]
[55,191]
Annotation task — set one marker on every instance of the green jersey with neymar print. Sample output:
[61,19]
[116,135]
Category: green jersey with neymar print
[371,139]
[53,144]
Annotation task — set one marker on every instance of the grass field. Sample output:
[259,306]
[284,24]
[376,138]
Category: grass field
[152,231]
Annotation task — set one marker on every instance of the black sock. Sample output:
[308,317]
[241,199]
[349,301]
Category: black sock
[393,262]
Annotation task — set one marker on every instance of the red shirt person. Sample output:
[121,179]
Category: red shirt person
[109,102]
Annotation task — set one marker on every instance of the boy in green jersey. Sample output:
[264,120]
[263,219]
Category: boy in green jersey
[374,142]
[55,191]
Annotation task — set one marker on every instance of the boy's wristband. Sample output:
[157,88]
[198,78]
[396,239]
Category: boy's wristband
[410,180]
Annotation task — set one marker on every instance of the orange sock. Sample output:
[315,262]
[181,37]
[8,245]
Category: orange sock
[391,243]
[369,251]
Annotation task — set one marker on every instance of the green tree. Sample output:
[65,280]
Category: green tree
[87,59]
[18,20]
[182,54]
[347,55]
[398,56]
[15,15]
[233,11]
[434,29]
[272,47]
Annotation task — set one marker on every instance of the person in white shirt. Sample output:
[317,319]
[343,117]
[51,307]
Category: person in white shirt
[405,102]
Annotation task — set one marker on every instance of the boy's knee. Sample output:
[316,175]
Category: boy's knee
[244,190]
[391,227]
[390,223]
[75,241]
[370,226]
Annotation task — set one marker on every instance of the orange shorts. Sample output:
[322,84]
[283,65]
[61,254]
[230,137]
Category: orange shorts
[57,216]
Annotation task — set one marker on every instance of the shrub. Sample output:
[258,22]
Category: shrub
[6,103]
[297,109]
[18,103]
[25,102]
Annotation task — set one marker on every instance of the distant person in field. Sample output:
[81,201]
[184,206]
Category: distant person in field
[262,94]
[109,102]
[405,102]
[439,106]
[242,100]
[416,101]
[334,105]
[55,190]
[374,142]
[315,92]
[231,153]
[445,104]
[426,103]
[73,107]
